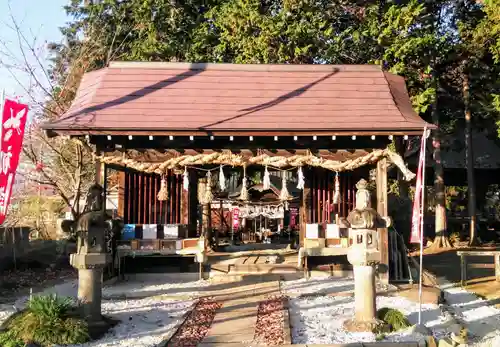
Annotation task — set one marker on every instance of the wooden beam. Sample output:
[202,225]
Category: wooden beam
[193,203]
[383,211]
[241,142]
[184,204]
[231,132]
[121,194]
[305,205]
[104,180]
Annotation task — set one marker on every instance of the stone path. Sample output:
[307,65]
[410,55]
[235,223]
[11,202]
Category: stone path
[234,324]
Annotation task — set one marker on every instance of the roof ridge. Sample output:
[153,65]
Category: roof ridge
[244,67]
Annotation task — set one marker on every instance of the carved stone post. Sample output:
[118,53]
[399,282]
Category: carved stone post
[364,255]
[92,255]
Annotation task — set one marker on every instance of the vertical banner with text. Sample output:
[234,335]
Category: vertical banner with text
[236,218]
[417,212]
[14,117]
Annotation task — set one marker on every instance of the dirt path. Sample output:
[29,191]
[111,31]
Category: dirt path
[16,284]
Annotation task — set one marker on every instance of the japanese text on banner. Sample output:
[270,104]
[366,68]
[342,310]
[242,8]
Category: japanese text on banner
[11,136]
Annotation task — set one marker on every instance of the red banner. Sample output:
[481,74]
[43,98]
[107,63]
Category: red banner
[14,117]
[236,218]
[417,213]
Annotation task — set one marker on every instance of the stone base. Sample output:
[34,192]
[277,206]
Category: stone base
[90,260]
[374,326]
[98,328]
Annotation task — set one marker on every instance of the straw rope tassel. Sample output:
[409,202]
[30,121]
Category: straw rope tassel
[284,195]
[300,179]
[185,179]
[208,191]
[244,190]
[336,193]
[222,179]
[163,193]
[267,180]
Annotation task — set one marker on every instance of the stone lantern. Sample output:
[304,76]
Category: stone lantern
[364,255]
[92,255]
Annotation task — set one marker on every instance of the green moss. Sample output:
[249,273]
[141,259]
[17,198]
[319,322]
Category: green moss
[395,319]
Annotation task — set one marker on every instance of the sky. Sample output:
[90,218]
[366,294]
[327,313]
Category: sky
[38,19]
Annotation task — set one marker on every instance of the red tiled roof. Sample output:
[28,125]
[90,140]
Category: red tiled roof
[130,97]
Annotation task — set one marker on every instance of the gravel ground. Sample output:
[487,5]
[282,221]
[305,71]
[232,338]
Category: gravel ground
[318,319]
[269,326]
[147,309]
[143,322]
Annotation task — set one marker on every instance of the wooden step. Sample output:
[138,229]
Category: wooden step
[262,269]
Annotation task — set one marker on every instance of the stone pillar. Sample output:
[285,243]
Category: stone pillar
[90,292]
[90,273]
[364,293]
[364,255]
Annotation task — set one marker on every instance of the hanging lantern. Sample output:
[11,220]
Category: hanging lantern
[163,193]
[266,183]
[336,192]
[222,179]
[300,178]
[208,191]
[185,180]
[244,190]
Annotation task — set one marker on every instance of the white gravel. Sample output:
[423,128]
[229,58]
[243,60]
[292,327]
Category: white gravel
[318,286]
[144,322]
[319,319]
[148,308]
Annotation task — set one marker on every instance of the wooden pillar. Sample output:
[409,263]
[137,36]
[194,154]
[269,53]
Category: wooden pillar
[99,170]
[382,210]
[184,196]
[305,206]
[206,213]
[193,203]
[497,267]
[104,184]
[221,223]
[121,194]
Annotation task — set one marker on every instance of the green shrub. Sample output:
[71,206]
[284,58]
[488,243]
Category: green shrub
[50,307]
[48,320]
[395,319]
[7,339]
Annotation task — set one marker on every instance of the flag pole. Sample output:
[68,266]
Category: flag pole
[422,213]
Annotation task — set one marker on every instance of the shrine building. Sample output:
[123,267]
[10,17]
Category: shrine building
[211,155]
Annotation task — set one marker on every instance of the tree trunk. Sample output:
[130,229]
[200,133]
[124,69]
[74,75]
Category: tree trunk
[441,239]
[469,160]
[403,184]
